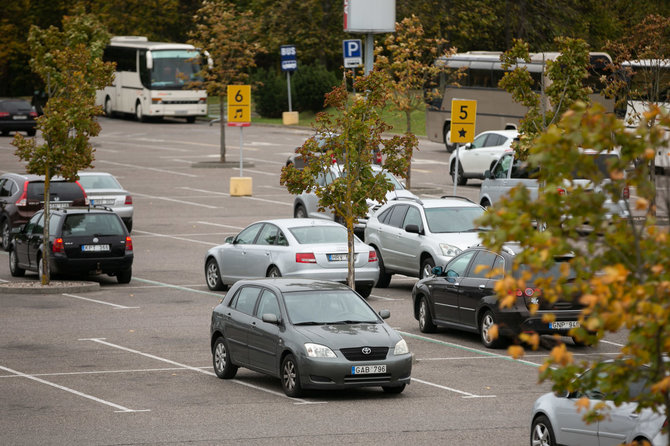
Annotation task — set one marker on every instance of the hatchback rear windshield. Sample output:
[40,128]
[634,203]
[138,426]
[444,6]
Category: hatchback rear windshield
[92,225]
[64,190]
[15,106]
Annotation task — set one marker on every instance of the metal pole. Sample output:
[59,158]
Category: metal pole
[288,83]
[241,139]
[369,53]
[456,168]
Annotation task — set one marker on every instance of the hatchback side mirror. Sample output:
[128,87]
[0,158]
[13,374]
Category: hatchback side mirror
[437,270]
[384,314]
[270,318]
[229,239]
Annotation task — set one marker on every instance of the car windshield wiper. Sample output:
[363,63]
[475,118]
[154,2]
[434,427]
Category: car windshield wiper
[310,323]
[351,322]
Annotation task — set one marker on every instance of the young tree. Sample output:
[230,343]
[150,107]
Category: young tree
[407,56]
[231,38]
[69,61]
[621,267]
[356,134]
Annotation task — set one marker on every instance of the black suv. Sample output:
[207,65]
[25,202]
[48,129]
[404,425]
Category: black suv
[82,241]
[462,296]
[17,115]
[21,195]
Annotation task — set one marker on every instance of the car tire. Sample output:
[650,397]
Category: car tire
[426,268]
[461,180]
[485,203]
[213,276]
[190,119]
[31,132]
[129,224]
[5,232]
[426,324]
[273,272]
[488,321]
[300,212]
[14,268]
[445,135]
[394,390]
[384,277]
[364,291]
[541,432]
[290,377]
[221,360]
[124,276]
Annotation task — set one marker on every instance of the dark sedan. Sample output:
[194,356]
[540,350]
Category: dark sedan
[461,295]
[311,334]
[82,241]
[17,115]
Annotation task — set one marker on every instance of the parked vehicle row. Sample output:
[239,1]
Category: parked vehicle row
[481,154]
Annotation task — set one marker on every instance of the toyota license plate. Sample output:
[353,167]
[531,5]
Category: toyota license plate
[95,248]
[368,369]
[562,325]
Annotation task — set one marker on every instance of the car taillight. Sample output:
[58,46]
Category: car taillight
[4,114]
[372,256]
[58,245]
[23,199]
[86,202]
[33,114]
[560,191]
[625,193]
[530,295]
[129,243]
[129,200]
[378,157]
[305,257]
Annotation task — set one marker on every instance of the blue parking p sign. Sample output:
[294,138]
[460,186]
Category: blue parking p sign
[353,53]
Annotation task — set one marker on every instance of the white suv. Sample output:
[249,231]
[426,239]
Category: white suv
[481,154]
[412,236]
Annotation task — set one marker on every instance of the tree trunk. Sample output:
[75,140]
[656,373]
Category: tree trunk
[351,274]
[45,230]
[408,121]
[222,122]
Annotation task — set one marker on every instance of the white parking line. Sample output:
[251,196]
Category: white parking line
[75,392]
[171,172]
[190,203]
[239,228]
[272,174]
[245,198]
[154,234]
[117,307]
[195,369]
[465,394]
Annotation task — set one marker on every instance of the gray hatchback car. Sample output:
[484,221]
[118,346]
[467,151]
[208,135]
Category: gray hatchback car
[311,334]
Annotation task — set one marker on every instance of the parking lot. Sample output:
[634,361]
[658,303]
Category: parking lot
[130,364]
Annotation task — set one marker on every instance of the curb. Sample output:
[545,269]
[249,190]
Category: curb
[54,287]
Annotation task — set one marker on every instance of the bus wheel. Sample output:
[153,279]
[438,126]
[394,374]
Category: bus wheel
[446,134]
[138,112]
[190,119]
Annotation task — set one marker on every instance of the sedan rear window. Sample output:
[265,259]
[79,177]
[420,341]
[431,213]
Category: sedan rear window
[99,182]
[310,235]
[92,224]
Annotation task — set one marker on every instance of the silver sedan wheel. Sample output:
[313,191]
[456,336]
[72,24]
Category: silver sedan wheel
[212,275]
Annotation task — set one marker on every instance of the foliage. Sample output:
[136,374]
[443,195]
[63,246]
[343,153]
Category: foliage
[311,82]
[232,40]
[566,74]
[356,135]
[270,94]
[622,264]
[70,64]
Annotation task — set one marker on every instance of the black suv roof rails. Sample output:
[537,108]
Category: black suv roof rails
[457,197]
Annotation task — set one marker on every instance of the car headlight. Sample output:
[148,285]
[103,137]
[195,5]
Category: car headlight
[318,351]
[401,348]
[449,250]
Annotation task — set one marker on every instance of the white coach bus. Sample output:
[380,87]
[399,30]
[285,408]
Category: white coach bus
[154,79]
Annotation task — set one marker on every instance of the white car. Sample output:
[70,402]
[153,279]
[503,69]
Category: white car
[104,190]
[481,154]
[556,420]
[306,205]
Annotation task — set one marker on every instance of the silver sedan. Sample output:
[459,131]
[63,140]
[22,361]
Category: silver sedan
[298,248]
[103,189]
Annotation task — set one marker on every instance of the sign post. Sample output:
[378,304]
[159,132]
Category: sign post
[239,115]
[463,118]
[289,63]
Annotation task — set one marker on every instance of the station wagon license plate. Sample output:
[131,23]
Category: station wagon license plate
[18,117]
[95,248]
[368,369]
[562,325]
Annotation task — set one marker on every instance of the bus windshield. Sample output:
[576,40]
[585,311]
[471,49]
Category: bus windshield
[175,68]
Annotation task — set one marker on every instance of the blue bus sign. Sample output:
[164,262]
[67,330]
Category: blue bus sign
[289,61]
[353,53]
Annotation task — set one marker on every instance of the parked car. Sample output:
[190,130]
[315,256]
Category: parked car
[412,236]
[296,248]
[509,172]
[82,241]
[310,334]
[557,420]
[481,154]
[321,139]
[306,205]
[103,189]
[462,296]
[21,195]
[17,115]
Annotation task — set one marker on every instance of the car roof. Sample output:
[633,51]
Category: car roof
[28,177]
[298,222]
[446,201]
[508,133]
[81,210]
[292,285]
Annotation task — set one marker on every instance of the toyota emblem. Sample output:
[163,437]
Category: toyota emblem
[366,350]
[95,240]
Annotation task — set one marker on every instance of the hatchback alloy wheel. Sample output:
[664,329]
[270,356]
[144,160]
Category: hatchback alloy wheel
[290,378]
[426,324]
[223,367]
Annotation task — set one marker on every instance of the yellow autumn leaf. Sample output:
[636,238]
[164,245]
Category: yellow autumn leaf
[616,175]
[561,355]
[493,331]
[641,204]
[588,300]
[582,404]
[515,351]
[649,153]
[663,386]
